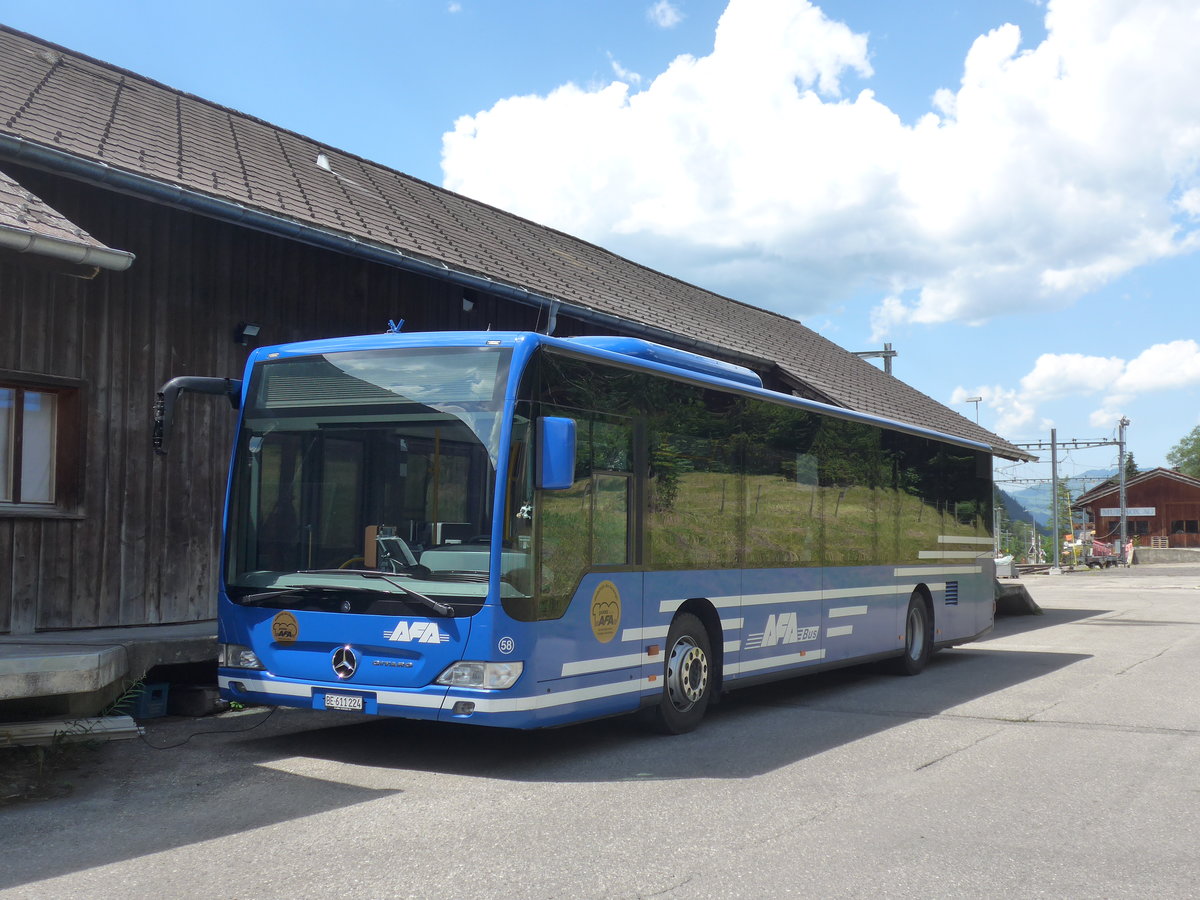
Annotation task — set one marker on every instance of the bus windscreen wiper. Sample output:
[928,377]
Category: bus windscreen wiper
[442,609]
[254,599]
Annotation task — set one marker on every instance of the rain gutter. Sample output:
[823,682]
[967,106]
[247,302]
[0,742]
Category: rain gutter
[24,241]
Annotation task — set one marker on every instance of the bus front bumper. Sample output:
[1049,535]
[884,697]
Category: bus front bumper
[506,709]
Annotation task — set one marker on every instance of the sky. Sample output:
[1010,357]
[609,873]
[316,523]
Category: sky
[1007,191]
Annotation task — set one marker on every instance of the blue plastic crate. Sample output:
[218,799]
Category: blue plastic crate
[151,702]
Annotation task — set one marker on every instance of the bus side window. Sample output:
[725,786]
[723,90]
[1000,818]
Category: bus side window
[850,471]
[782,496]
[588,524]
[696,499]
[610,518]
[914,478]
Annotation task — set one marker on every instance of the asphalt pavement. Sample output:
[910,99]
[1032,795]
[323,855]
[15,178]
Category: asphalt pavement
[1060,757]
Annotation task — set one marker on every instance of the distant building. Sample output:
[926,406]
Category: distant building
[1162,508]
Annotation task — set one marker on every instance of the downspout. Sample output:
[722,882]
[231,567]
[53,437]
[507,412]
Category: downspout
[24,241]
[101,174]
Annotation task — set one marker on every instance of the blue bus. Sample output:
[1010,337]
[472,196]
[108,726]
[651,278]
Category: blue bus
[519,530]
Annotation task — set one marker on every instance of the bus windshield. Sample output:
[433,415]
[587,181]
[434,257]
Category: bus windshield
[378,461]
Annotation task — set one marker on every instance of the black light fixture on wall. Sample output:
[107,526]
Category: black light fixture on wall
[245,331]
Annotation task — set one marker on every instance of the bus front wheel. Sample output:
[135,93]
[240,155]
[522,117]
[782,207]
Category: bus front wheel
[918,637]
[687,678]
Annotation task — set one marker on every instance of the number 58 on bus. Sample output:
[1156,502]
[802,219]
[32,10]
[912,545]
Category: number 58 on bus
[519,530]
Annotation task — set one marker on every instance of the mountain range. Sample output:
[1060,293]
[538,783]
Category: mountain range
[1037,499]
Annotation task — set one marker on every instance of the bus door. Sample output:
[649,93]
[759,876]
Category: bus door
[781,582]
[587,580]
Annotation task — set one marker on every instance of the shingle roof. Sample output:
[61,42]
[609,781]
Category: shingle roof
[53,97]
[29,224]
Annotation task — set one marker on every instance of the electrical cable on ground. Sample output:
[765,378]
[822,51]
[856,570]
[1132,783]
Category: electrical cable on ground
[261,721]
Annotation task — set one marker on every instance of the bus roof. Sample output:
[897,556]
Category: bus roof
[624,350]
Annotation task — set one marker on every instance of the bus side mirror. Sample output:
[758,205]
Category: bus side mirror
[168,394]
[556,453]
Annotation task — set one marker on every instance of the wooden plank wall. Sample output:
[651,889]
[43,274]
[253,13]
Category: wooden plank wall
[1173,500]
[145,550]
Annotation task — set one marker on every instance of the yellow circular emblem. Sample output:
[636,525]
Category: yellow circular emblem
[284,628]
[606,611]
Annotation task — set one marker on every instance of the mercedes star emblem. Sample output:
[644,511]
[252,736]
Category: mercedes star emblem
[345,662]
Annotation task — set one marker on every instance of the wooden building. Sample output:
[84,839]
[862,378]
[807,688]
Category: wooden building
[1162,509]
[221,220]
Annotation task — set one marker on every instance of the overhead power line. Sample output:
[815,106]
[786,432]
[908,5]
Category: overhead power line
[1075,444]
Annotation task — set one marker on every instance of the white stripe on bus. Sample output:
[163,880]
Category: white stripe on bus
[482,704]
[839,630]
[660,631]
[919,571]
[670,606]
[561,698]
[290,689]
[259,686]
[951,539]
[842,611]
[754,665]
[789,597]
[402,698]
[951,554]
[642,634]
[608,663]
[884,590]
[879,591]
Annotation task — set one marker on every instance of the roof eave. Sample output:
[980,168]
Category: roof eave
[23,151]
[78,252]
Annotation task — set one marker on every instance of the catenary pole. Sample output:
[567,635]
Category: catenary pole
[1121,471]
[1055,535]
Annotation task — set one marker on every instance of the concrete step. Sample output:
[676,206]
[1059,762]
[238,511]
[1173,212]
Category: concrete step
[89,667]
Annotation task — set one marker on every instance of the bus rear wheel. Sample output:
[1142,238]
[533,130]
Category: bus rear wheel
[687,678]
[918,637]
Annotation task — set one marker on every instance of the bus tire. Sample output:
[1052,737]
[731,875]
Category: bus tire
[918,637]
[688,675]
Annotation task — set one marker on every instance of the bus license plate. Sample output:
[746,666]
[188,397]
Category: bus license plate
[344,701]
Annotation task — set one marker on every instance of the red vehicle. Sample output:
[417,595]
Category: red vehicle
[1101,556]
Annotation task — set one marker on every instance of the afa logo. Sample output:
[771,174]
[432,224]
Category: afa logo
[284,628]
[417,632]
[781,629]
[606,611]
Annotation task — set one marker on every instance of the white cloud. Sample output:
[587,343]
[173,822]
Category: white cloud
[1013,410]
[1055,376]
[1071,374]
[454,8]
[664,14]
[1048,172]
[890,313]
[1189,202]
[1110,413]
[1162,367]
[622,73]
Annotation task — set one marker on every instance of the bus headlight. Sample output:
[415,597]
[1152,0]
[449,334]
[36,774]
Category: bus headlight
[491,676]
[235,656]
